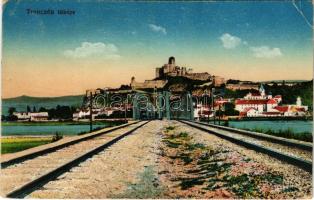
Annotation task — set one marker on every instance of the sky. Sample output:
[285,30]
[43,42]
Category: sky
[105,43]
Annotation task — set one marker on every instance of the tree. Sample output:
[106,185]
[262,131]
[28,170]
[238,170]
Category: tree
[42,109]
[11,111]
[12,118]
[229,110]
[52,113]
[34,109]
[28,109]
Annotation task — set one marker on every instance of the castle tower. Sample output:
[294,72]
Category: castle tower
[158,72]
[171,63]
[299,102]
[262,90]
[172,60]
[132,80]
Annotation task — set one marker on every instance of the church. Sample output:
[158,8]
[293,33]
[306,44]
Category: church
[263,105]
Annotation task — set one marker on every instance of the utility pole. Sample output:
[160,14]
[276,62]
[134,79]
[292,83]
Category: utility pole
[91,112]
[125,109]
[219,115]
[155,103]
[213,108]
[205,104]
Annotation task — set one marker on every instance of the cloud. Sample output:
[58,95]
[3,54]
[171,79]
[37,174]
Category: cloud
[156,28]
[266,52]
[229,41]
[87,49]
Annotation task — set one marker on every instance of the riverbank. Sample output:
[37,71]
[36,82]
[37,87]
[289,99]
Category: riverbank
[51,128]
[15,144]
[20,137]
[237,118]
[291,129]
[283,118]
[58,123]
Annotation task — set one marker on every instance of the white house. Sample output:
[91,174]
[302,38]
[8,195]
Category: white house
[262,105]
[251,112]
[81,114]
[31,116]
[39,116]
[22,116]
[258,104]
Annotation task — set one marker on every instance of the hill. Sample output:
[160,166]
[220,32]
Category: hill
[21,103]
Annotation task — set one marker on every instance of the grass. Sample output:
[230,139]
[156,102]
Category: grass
[57,123]
[186,184]
[246,186]
[210,170]
[176,140]
[170,128]
[11,145]
[288,133]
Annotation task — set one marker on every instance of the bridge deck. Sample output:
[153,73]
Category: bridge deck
[162,159]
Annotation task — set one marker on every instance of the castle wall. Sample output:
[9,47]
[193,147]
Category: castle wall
[158,72]
[218,81]
[198,76]
[148,84]
[242,86]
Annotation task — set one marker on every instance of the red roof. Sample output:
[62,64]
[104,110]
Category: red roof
[255,94]
[300,109]
[205,112]
[244,112]
[271,113]
[248,109]
[251,101]
[271,101]
[282,108]
[277,96]
[219,103]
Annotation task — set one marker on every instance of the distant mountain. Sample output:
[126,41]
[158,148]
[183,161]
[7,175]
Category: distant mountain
[21,103]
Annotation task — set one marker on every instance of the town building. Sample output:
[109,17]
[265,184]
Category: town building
[242,86]
[204,110]
[22,116]
[31,116]
[293,110]
[263,105]
[39,116]
[218,81]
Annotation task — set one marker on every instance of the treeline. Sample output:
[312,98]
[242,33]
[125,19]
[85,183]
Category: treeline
[237,93]
[289,93]
[59,112]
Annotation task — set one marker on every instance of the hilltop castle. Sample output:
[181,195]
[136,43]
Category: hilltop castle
[172,70]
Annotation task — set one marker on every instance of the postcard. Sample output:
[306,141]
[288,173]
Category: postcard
[157,99]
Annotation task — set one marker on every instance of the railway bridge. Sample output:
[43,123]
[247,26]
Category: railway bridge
[41,171]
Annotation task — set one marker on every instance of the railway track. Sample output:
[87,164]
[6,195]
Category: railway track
[27,156]
[21,178]
[291,154]
[283,141]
